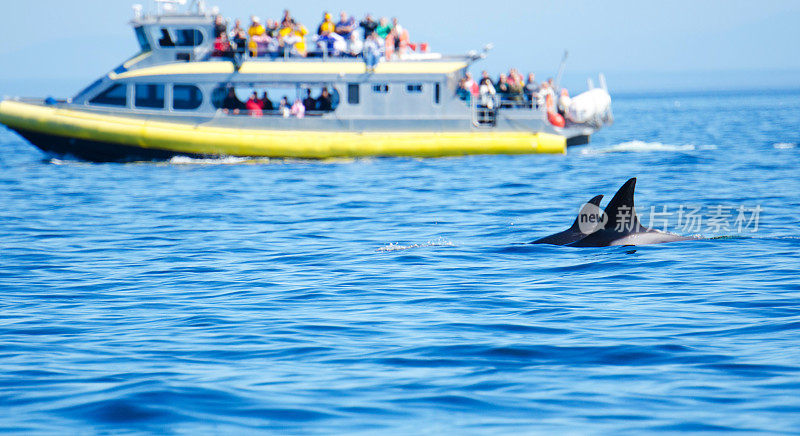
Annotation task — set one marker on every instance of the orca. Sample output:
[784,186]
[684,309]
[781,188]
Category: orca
[622,225]
[587,221]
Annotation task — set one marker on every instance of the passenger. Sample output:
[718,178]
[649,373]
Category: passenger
[545,90]
[273,47]
[471,85]
[384,28]
[397,41]
[309,102]
[325,42]
[284,107]
[298,110]
[325,101]
[488,93]
[300,32]
[266,104]
[502,88]
[339,44]
[513,77]
[520,79]
[326,26]
[222,47]
[253,106]
[287,20]
[392,41]
[372,51]
[345,26]
[220,26]
[563,102]
[531,88]
[516,88]
[293,39]
[239,37]
[463,92]
[258,37]
[272,28]
[285,40]
[355,45]
[231,104]
[368,25]
[332,43]
[485,75]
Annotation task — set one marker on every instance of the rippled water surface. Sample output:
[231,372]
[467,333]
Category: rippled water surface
[399,296]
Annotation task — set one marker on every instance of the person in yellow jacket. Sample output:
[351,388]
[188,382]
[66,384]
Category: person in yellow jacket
[293,37]
[256,32]
[327,25]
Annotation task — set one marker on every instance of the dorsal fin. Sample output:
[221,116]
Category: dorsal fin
[621,210]
[595,201]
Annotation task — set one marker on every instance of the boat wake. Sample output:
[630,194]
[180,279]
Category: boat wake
[397,247]
[644,147]
[230,160]
[784,145]
[64,160]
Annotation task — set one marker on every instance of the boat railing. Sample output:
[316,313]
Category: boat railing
[501,101]
[282,54]
[319,51]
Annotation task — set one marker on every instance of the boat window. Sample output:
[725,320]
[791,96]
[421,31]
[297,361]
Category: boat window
[218,95]
[166,39]
[414,87]
[275,99]
[142,38]
[186,97]
[352,93]
[87,90]
[150,96]
[116,95]
[380,88]
[189,38]
[334,98]
[437,93]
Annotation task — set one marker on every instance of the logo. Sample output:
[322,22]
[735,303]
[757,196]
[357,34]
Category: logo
[591,218]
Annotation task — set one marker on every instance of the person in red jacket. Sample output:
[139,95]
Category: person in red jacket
[471,85]
[253,105]
[222,47]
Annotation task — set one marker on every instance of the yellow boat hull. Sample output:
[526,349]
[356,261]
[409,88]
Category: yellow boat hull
[60,129]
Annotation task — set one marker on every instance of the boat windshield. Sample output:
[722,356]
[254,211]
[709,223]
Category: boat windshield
[144,44]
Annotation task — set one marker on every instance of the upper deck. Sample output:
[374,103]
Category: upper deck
[176,42]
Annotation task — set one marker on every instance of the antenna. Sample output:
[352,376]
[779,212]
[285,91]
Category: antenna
[561,68]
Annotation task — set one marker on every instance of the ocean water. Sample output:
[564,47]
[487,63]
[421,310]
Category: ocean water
[399,296]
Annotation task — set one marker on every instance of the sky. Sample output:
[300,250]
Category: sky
[54,47]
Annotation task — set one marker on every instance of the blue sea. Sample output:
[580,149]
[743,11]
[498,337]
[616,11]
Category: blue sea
[399,296]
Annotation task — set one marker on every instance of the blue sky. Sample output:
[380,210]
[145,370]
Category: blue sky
[55,46]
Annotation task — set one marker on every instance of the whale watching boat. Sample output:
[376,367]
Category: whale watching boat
[172,99]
